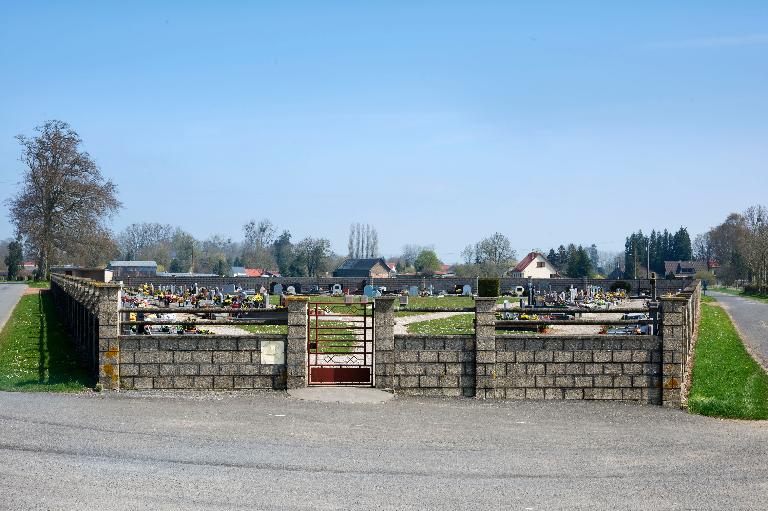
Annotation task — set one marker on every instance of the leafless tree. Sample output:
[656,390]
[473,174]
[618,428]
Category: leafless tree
[757,244]
[63,198]
[259,237]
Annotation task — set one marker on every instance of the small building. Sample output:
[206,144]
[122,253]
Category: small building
[685,269]
[445,271]
[122,269]
[97,274]
[536,266]
[237,271]
[364,268]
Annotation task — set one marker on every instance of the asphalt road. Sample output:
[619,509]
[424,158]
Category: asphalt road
[268,451]
[9,297]
[751,320]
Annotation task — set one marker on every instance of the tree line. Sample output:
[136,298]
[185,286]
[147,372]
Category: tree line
[660,246]
[739,245]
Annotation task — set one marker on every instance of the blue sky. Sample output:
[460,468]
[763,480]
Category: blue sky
[437,122]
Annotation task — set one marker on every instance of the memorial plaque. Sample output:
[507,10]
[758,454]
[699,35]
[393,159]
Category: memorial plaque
[272,352]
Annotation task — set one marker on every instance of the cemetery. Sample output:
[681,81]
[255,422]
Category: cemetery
[586,342]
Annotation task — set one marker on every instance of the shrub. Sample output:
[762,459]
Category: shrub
[488,287]
[621,284]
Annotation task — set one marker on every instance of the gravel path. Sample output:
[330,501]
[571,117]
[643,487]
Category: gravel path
[751,320]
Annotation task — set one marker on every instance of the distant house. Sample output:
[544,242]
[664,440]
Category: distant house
[446,270]
[536,266]
[237,271]
[363,268]
[616,274]
[121,269]
[685,269]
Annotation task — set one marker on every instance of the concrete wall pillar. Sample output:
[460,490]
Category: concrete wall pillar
[384,342]
[106,299]
[486,371]
[674,342]
[296,351]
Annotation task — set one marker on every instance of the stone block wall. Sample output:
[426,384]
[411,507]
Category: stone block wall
[174,361]
[433,366]
[198,362]
[90,313]
[643,369]
[621,368]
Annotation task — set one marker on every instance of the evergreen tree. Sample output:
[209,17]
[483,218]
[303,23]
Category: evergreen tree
[681,245]
[552,258]
[580,264]
[14,259]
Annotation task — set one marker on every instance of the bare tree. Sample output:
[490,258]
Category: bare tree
[146,240]
[757,245]
[63,198]
[259,237]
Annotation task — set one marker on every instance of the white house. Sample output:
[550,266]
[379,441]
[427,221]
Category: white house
[535,265]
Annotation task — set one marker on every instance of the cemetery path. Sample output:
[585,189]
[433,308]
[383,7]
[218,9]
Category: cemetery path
[750,318]
[401,323]
[10,294]
[217,450]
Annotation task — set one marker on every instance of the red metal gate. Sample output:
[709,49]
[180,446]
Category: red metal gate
[340,343]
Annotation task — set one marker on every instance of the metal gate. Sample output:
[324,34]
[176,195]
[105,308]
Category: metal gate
[340,343]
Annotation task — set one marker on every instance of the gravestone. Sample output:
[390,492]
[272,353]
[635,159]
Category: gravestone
[403,300]
[413,291]
[572,292]
[369,291]
[228,289]
[278,289]
[466,290]
[290,291]
[336,289]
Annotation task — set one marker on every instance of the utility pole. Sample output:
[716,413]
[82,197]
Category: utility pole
[634,257]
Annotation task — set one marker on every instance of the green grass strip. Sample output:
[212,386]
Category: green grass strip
[458,324]
[35,351]
[727,382]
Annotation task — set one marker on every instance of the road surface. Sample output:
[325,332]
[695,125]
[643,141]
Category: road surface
[268,451]
[751,320]
[9,297]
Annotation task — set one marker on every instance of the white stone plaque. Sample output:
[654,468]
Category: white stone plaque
[273,352]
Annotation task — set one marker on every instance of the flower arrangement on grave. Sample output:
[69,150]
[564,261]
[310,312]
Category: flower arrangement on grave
[188,326]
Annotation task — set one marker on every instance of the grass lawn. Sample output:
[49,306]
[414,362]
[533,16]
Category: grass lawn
[35,351]
[727,382]
[265,329]
[338,340]
[459,324]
